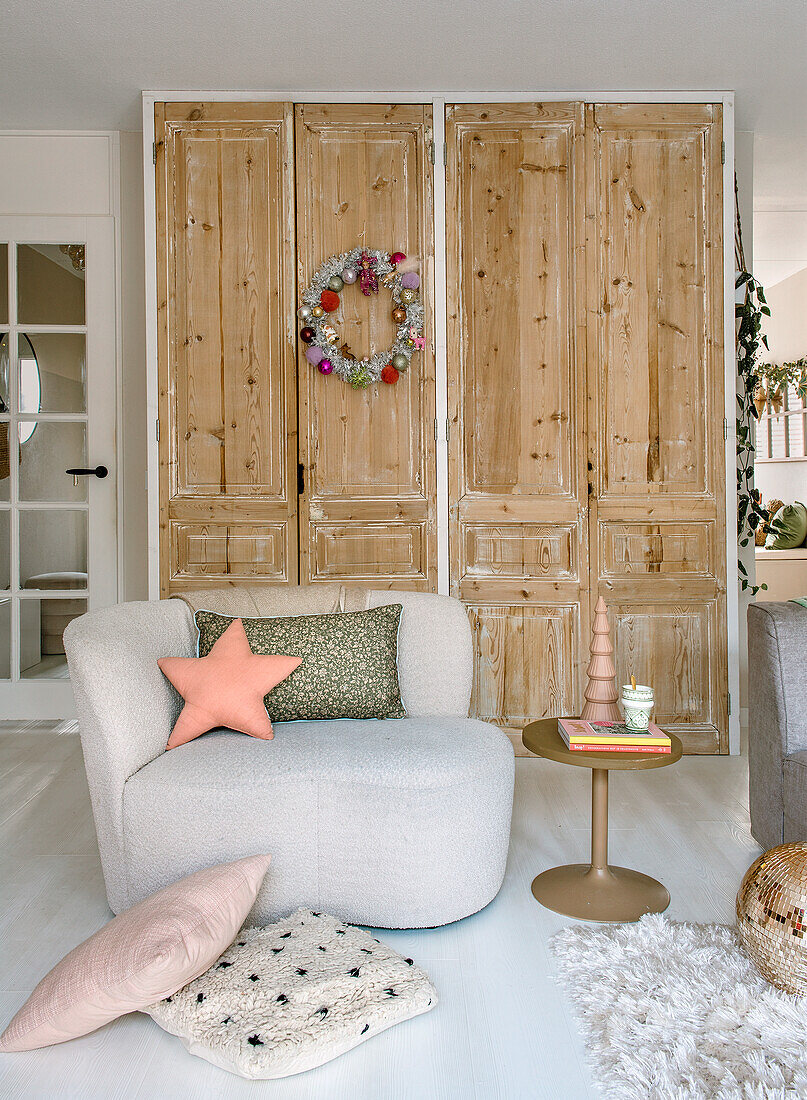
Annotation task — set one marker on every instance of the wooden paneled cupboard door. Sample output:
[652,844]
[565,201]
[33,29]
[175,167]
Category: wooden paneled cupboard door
[585,368]
[226,300]
[367,513]
[516,369]
[655,351]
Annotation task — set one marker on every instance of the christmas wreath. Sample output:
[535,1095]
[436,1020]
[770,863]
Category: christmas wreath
[370,268]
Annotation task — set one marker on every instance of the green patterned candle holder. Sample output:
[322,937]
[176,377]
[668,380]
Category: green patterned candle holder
[637,703]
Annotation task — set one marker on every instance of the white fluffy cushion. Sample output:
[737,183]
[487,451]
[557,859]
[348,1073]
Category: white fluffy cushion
[290,996]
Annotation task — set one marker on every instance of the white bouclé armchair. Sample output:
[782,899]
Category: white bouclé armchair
[389,823]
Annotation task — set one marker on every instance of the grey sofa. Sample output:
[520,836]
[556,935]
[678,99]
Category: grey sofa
[394,823]
[777,722]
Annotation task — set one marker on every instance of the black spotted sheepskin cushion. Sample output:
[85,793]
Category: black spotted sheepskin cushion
[290,996]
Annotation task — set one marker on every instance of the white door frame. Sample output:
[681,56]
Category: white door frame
[438,101]
[43,698]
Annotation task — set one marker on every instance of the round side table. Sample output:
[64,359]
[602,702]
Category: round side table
[597,891]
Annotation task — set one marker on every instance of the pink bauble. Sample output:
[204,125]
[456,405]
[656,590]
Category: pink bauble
[349,275]
[326,366]
[410,280]
[397,258]
[314,355]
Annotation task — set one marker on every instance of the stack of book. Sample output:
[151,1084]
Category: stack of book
[583,736]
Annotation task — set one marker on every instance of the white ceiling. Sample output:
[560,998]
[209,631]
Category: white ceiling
[83,64]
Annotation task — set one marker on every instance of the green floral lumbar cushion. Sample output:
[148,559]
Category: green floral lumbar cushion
[348,669]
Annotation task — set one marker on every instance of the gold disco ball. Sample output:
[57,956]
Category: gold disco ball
[770,916]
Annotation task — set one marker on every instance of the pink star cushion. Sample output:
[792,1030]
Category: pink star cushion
[225,688]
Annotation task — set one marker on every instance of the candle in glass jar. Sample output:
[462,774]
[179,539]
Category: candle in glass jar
[637,704]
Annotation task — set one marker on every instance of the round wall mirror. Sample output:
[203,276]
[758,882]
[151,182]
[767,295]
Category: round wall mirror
[30,395]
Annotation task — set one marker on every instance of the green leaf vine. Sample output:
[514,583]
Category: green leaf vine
[749,340]
[780,376]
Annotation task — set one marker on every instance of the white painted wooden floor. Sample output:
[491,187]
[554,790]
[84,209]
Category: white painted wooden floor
[501,1030]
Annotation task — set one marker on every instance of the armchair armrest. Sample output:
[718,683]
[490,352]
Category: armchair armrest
[126,708]
[777,709]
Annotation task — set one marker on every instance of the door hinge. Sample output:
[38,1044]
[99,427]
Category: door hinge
[300,479]
[154,151]
[433,154]
[157,429]
[729,702]
[435,429]
[722,152]
[725,428]
[448,430]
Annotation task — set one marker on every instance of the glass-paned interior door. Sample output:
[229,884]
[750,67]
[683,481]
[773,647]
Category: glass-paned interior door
[57,449]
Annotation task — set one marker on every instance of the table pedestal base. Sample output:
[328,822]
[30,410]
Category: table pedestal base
[600,894]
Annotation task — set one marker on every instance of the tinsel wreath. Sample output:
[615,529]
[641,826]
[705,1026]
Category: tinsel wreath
[361,373]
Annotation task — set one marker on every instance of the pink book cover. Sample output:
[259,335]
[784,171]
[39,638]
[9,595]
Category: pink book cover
[619,748]
[576,729]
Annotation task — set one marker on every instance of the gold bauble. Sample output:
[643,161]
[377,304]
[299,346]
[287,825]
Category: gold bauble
[318,311]
[408,295]
[399,315]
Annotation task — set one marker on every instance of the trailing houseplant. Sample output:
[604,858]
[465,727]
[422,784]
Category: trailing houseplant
[780,376]
[750,339]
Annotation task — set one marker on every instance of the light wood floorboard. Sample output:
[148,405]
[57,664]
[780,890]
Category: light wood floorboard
[501,1031]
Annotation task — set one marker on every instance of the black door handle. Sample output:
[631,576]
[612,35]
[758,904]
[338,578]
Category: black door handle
[99,471]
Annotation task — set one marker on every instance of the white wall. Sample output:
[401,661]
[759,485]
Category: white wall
[785,481]
[780,244]
[786,328]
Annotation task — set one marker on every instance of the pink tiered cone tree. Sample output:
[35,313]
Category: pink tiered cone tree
[601,694]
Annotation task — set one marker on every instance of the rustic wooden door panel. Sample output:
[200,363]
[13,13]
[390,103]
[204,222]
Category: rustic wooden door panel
[524,661]
[654,213]
[392,551]
[672,647]
[368,511]
[224,397]
[227,388]
[516,401]
[525,550]
[514,308]
[225,552]
[671,547]
[655,319]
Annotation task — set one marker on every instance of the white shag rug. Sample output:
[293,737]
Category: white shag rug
[287,997]
[673,1011]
